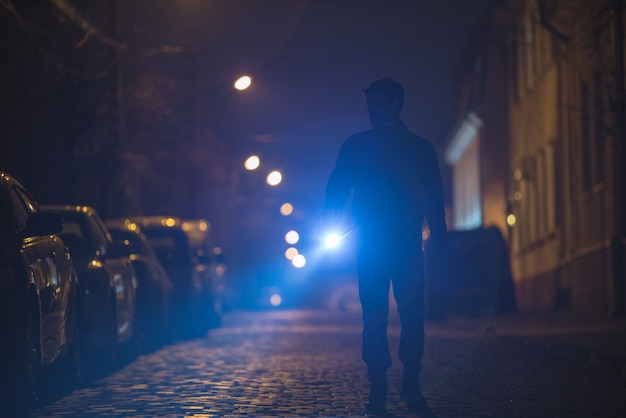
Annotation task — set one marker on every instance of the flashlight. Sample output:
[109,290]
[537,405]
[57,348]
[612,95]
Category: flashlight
[332,240]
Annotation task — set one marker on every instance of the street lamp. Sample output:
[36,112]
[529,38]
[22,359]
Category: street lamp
[290,253]
[274,178]
[286,209]
[292,237]
[299,261]
[243,83]
[252,162]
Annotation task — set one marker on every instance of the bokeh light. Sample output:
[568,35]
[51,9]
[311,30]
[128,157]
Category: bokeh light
[252,162]
[274,178]
[511,219]
[332,240]
[276,300]
[292,237]
[299,261]
[243,82]
[169,222]
[290,253]
[286,209]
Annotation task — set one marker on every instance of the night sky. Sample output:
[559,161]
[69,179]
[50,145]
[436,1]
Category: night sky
[310,60]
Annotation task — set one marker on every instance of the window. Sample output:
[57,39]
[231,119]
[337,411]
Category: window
[535,196]
[513,60]
[598,143]
[23,205]
[550,186]
[542,196]
[585,137]
[530,49]
[100,235]
[591,133]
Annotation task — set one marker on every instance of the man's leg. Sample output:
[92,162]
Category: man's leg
[374,283]
[408,288]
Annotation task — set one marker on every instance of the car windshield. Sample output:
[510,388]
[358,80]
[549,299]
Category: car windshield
[134,239]
[73,237]
[170,247]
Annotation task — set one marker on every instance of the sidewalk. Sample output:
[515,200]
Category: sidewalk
[592,341]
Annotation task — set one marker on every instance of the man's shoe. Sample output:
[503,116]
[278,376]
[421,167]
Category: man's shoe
[378,395]
[374,408]
[411,392]
[415,400]
[420,407]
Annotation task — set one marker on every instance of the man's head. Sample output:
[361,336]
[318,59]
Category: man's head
[385,98]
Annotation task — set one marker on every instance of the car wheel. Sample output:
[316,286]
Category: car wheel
[111,354]
[20,382]
[33,354]
[75,358]
[156,325]
[105,360]
[129,350]
[147,323]
[160,323]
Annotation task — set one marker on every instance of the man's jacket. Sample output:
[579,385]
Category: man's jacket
[395,180]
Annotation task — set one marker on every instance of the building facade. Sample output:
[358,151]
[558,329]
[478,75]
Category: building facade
[539,151]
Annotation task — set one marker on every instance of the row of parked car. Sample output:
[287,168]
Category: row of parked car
[81,295]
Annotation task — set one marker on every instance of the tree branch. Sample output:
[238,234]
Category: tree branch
[75,16]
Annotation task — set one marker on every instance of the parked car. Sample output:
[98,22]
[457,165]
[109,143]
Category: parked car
[228,293]
[194,306]
[38,292]
[154,291]
[209,264]
[477,279]
[108,285]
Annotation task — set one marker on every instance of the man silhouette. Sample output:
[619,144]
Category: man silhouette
[393,177]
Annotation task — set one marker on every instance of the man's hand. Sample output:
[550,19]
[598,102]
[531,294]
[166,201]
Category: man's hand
[435,267]
[435,257]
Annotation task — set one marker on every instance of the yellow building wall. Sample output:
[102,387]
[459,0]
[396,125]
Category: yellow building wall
[535,248]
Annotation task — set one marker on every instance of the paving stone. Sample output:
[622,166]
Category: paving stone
[301,363]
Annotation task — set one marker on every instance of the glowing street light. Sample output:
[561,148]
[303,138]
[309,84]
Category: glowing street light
[276,300]
[274,178]
[286,209]
[511,220]
[290,253]
[243,82]
[299,261]
[252,162]
[292,237]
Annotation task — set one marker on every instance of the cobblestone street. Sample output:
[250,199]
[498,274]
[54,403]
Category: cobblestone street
[307,363]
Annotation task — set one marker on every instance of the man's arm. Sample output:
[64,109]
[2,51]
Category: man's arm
[340,182]
[434,205]
[436,251]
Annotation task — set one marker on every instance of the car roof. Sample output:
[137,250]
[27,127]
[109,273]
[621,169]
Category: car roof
[7,180]
[157,221]
[125,224]
[68,208]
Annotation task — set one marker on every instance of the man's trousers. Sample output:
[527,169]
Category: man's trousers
[378,265]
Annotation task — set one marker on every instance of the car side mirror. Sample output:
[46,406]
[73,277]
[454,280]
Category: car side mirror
[41,224]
